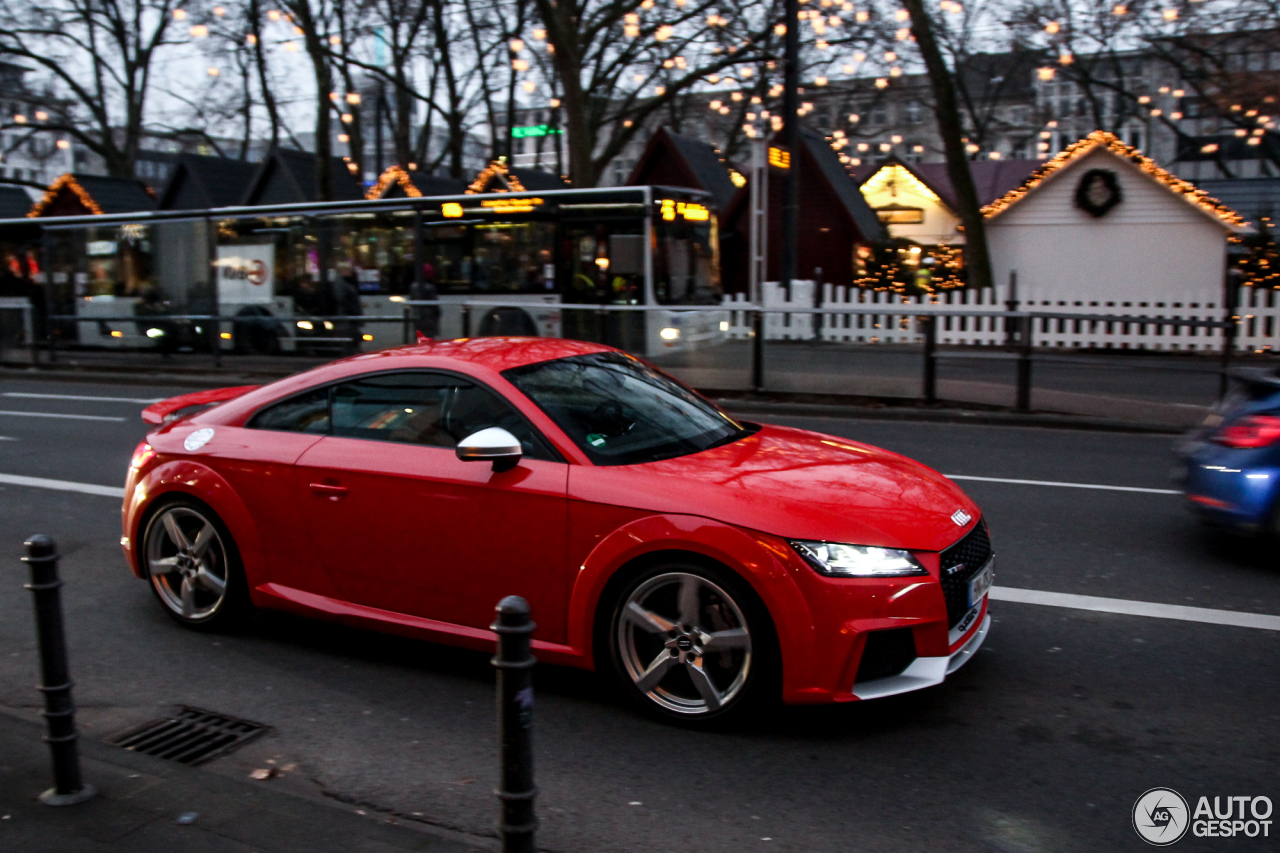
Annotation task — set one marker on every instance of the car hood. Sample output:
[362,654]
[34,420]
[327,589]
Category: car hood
[795,484]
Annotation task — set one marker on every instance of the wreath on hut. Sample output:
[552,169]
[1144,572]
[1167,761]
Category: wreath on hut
[1098,192]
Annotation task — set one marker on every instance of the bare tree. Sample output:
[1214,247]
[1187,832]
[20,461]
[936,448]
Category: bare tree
[951,129]
[619,62]
[98,56]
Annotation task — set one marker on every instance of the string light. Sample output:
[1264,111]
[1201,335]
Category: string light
[496,169]
[394,175]
[67,182]
[1103,139]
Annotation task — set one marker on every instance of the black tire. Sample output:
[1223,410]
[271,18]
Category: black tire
[744,679]
[508,322]
[190,592]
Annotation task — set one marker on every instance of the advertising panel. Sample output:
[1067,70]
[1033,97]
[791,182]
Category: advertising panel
[245,274]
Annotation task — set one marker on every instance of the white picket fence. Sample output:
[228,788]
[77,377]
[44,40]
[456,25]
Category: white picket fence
[794,319]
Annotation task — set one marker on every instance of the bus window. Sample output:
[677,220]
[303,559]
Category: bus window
[686,264]
[605,264]
[490,258]
[374,251]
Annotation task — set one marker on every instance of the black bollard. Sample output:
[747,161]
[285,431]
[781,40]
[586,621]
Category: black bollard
[515,724]
[59,711]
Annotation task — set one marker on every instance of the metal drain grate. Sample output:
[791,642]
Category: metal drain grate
[189,736]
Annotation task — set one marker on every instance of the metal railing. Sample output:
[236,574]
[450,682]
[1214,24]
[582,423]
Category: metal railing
[1018,337]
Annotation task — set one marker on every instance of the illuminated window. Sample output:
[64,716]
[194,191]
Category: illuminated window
[898,214]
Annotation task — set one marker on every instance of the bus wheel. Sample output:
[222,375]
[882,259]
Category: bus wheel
[508,322]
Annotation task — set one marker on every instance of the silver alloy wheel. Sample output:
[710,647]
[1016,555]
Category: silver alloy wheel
[684,643]
[187,562]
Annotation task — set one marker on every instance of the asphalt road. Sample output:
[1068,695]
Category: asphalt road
[1042,743]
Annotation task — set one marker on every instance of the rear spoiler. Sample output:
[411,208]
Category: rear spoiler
[188,404]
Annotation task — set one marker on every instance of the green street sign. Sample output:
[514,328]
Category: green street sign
[534,130]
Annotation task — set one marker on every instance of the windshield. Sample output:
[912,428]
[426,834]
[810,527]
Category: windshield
[620,411]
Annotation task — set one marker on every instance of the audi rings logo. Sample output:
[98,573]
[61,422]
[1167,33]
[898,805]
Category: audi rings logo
[1160,816]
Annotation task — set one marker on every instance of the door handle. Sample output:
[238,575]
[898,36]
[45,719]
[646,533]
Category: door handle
[329,490]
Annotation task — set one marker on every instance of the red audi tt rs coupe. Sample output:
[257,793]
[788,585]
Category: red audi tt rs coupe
[706,563]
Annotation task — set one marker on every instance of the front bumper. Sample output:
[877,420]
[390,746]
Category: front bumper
[926,671]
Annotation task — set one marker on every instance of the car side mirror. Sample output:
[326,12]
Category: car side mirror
[495,445]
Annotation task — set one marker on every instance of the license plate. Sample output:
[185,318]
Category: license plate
[980,583]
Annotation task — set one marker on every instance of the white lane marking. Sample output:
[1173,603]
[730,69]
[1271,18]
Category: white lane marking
[62,485]
[34,396]
[56,415]
[7,438]
[1063,485]
[1125,607]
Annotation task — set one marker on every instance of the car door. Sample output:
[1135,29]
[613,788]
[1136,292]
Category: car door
[403,525]
[257,461]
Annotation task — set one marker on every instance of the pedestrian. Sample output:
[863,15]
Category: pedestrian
[347,295]
[426,318]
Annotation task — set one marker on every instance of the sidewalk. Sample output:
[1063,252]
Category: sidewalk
[141,799]
[854,394]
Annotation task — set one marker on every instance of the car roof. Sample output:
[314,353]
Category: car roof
[497,354]
[471,356]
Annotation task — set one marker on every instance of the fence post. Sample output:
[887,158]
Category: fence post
[406,336]
[929,325]
[1229,305]
[466,320]
[1011,304]
[59,711]
[757,351]
[1025,325]
[514,663]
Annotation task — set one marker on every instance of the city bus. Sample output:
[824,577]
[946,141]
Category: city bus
[516,259]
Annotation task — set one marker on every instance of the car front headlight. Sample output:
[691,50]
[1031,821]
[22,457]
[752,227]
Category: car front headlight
[857,561]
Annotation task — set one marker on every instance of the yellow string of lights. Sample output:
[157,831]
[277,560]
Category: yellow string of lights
[394,175]
[1109,141]
[67,181]
[496,169]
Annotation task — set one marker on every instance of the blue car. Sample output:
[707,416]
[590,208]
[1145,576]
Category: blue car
[1231,473]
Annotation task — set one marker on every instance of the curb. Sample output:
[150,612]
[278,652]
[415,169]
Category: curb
[957,415]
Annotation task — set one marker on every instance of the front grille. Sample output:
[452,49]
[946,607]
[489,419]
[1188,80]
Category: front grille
[959,564]
[189,736]
[886,653]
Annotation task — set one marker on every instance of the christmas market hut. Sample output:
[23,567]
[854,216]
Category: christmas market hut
[498,177]
[198,182]
[286,176]
[836,223]
[671,159]
[917,201]
[1102,225]
[398,182]
[93,195]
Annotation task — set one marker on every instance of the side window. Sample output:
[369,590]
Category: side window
[307,412]
[432,409]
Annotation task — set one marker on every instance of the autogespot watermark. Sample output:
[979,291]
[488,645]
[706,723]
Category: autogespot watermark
[1162,817]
